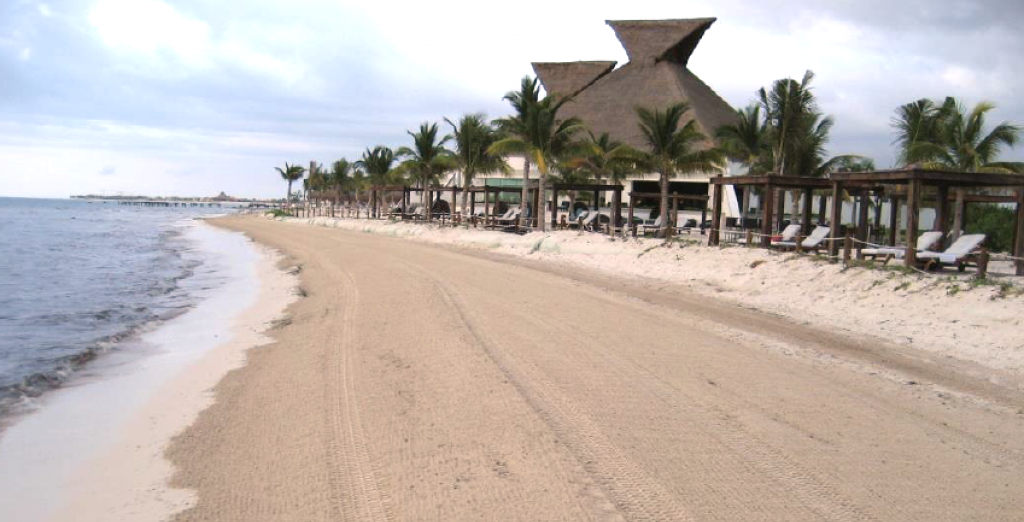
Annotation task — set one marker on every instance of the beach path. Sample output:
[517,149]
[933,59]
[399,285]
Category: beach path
[419,383]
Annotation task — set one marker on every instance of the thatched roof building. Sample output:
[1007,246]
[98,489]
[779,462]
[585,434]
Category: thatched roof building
[656,76]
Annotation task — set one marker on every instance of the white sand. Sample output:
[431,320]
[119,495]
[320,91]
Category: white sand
[944,314]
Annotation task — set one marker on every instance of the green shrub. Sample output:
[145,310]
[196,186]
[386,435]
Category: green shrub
[279,213]
[995,221]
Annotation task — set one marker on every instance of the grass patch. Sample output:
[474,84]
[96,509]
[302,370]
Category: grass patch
[279,213]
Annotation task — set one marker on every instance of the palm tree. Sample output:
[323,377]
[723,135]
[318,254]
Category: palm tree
[544,140]
[428,158]
[951,137]
[671,149]
[787,106]
[473,136]
[377,164]
[747,141]
[340,176]
[515,125]
[290,173]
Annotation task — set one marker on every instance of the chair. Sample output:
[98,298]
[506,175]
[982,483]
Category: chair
[963,251]
[788,235]
[656,226]
[924,242]
[508,213]
[812,242]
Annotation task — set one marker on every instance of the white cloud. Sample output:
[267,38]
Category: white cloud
[150,27]
[25,54]
[44,10]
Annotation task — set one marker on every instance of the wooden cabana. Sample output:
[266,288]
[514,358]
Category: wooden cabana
[497,191]
[768,185]
[674,199]
[596,189]
[377,190]
[913,182]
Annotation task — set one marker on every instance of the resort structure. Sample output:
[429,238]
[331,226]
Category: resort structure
[605,97]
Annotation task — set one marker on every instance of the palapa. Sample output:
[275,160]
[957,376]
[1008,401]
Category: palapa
[656,76]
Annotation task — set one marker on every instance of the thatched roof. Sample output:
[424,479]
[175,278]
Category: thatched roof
[656,76]
[569,78]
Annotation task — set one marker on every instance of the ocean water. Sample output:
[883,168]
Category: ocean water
[81,279]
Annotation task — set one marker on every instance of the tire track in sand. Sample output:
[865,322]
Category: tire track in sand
[355,494]
[636,494]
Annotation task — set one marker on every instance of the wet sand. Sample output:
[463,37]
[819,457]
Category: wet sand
[421,383]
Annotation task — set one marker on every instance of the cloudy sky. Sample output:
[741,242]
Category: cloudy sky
[192,97]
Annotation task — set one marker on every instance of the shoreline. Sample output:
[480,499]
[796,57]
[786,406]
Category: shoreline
[94,450]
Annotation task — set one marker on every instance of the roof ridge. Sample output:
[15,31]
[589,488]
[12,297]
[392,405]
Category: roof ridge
[660,40]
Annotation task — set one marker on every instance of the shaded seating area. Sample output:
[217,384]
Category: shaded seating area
[771,189]
[905,191]
[676,201]
[437,209]
[594,212]
[492,218]
[947,189]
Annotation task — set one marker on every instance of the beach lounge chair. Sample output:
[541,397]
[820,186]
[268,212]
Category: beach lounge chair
[788,235]
[505,216]
[653,227]
[508,219]
[591,221]
[580,218]
[924,242]
[963,251]
[813,242]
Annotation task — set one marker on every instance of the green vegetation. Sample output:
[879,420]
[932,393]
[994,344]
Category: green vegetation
[995,221]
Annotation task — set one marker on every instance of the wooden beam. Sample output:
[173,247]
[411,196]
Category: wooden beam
[767,207]
[942,213]
[805,222]
[894,221]
[714,235]
[836,220]
[862,217]
[1018,231]
[913,218]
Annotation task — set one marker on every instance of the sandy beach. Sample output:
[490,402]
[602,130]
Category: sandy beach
[422,383]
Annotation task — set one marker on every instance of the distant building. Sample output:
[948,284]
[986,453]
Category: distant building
[656,76]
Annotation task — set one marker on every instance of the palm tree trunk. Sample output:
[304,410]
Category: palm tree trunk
[526,192]
[289,200]
[664,205]
[465,199]
[539,211]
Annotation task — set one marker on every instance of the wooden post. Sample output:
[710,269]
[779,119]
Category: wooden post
[632,206]
[894,221]
[805,223]
[847,247]
[837,217]
[487,208]
[942,214]
[1018,234]
[749,239]
[779,197]
[958,215]
[766,221]
[982,264]
[913,217]
[714,235]
[616,210]
[862,217]
[554,207]
[800,243]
